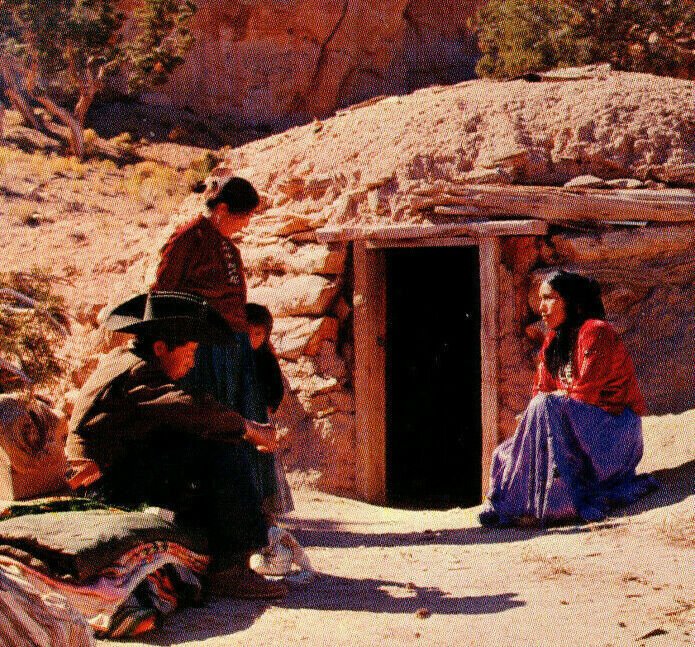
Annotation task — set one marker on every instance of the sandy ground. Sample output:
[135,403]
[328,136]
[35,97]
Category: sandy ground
[396,577]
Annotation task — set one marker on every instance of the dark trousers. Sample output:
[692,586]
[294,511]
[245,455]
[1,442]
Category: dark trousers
[210,485]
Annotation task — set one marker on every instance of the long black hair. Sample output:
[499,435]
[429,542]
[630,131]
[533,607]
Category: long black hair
[582,297]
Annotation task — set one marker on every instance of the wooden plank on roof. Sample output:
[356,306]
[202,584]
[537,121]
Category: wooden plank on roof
[452,241]
[475,229]
[554,203]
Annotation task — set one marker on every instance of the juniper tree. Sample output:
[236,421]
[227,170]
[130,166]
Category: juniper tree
[58,53]
[519,36]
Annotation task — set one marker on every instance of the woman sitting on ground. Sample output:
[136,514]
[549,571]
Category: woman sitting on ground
[579,441]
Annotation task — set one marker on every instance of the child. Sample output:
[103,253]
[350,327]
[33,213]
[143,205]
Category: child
[260,325]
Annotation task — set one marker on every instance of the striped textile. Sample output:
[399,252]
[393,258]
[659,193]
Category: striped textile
[29,617]
[130,595]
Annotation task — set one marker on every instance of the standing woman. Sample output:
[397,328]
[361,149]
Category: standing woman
[579,441]
[200,258]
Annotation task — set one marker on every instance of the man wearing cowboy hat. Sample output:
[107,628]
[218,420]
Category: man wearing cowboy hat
[136,436]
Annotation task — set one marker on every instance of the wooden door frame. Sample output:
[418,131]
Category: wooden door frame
[369,301]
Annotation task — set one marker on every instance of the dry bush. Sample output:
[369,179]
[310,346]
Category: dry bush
[66,166]
[200,168]
[91,141]
[679,530]
[154,184]
[123,142]
[39,167]
[102,170]
[548,566]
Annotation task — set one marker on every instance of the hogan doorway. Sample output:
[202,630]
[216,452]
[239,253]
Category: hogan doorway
[433,377]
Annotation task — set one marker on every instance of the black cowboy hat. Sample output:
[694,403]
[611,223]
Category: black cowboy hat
[179,316]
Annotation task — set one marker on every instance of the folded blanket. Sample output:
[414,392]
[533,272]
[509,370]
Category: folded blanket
[77,545]
[121,571]
[131,594]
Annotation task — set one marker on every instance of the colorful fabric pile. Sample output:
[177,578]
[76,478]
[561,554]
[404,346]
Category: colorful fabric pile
[119,571]
[127,598]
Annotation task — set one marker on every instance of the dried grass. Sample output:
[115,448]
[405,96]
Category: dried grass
[154,185]
[548,566]
[678,530]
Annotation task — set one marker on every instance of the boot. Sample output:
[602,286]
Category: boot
[239,581]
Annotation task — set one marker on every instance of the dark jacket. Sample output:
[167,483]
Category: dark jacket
[269,377]
[128,398]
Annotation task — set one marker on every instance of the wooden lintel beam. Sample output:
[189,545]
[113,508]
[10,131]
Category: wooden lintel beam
[401,243]
[479,229]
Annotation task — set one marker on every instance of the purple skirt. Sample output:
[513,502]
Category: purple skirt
[567,459]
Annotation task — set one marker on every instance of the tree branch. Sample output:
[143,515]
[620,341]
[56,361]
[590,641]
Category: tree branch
[76,133]
[14,75]
[92,84]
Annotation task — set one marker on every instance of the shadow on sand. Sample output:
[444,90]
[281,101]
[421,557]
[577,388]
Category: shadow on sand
[329,593]
[328,534]
[333,593]
[676,484]
[217,618]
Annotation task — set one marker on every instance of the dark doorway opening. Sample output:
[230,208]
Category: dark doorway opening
[433,381]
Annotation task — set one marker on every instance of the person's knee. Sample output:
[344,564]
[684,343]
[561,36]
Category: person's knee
[544,402]
[228,457]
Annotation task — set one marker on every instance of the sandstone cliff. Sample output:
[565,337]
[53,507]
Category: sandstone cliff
[269,64]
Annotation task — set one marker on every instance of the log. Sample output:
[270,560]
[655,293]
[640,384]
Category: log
[560,204]
[370,373]
[13,80]
[490,258]
[75,132]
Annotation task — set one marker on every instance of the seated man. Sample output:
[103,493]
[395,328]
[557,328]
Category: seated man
[135,437]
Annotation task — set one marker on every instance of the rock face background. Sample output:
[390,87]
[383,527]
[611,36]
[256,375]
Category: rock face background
[386,161]
[273,63]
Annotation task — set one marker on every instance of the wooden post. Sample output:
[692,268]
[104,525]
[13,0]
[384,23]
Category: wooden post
[370,367]
[489,348]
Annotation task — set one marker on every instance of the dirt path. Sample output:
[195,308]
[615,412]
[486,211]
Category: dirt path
[393,577]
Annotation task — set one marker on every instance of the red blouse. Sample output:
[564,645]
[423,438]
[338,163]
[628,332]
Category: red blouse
[199,259]
[602,372]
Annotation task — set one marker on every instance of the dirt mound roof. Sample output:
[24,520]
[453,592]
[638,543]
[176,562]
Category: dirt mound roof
[588,121]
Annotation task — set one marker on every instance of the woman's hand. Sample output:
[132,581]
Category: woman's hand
[263,436]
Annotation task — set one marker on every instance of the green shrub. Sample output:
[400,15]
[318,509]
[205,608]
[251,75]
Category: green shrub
[520,36]
[32,325]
